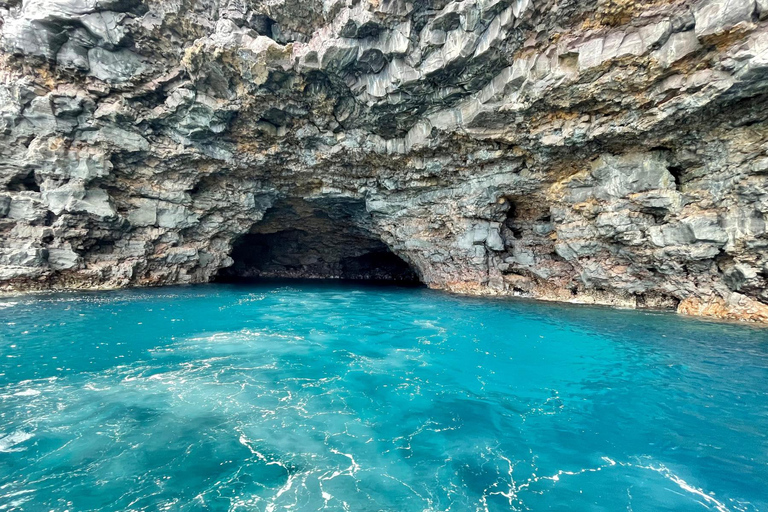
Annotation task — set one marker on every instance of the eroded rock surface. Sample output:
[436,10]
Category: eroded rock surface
[603,151]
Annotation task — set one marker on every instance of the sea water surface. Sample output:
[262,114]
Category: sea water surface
[314,396]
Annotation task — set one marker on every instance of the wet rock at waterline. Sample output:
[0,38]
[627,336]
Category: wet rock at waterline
[599,151]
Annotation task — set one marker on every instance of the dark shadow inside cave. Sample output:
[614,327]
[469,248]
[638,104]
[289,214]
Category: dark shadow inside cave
[324,239]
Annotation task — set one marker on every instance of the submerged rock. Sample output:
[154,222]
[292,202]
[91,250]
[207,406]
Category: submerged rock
[588,151]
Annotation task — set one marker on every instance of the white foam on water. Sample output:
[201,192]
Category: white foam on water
[685,486]
[8,441]
[27,392]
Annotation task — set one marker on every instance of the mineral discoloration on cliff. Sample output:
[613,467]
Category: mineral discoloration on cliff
[603,151]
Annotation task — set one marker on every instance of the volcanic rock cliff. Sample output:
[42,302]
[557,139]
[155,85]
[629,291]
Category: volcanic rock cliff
[600,151]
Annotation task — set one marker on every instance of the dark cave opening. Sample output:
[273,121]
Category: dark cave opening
[22,183]
[326,240]
[512,220]
[677,174]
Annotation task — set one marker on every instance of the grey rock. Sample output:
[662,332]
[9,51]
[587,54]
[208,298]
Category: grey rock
[75,197]
[655,34]
[677,46]
[590,53]
[24,208]
[32,38]
[95,202]
[25,257]
[707,228]
[717,16]
[117,137]
[631,173]
[60,199]
[575,249]
[179,255]
[5,205]
[174,216]
[115,66]
[72,55]
[107,27]
[64,106]
[672,235]
[658,201]
[494,241]
[738,275]
[762,8]
[524,257]
[62,258]
[143,213]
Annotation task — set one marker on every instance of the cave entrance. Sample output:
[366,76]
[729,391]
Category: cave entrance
[324,239]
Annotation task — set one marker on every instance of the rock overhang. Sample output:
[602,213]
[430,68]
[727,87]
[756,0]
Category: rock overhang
[143,140]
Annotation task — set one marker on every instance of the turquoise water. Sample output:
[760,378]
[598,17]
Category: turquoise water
[294,397]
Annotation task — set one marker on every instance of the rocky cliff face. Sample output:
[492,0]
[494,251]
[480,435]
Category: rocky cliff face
[601,151]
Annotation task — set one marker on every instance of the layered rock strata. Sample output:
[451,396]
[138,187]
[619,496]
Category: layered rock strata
[597,151]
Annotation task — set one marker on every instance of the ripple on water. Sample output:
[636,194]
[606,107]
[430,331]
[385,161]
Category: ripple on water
[312,397]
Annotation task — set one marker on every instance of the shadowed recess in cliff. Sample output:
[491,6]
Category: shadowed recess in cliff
[327,239]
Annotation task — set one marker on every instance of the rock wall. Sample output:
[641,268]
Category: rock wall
[599,151]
